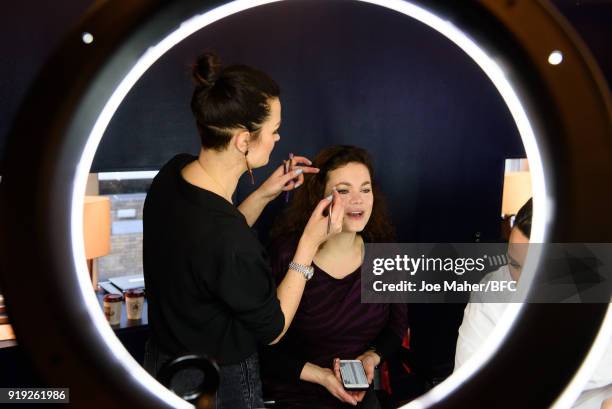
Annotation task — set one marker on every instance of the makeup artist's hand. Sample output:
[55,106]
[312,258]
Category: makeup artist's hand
[279,181]
[315,231]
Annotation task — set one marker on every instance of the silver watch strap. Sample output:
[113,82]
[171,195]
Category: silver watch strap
[307,271]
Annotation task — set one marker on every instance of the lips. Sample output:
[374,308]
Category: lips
[355,215]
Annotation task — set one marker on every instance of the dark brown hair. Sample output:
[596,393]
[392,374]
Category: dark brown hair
[227,98]
[522,221]
[294,219]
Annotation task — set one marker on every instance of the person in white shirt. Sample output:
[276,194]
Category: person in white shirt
[480,318]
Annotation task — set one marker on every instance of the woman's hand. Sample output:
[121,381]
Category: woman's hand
[328,379]
[370,361]
[357,395]
[320,227]
[279,181]
[254,204]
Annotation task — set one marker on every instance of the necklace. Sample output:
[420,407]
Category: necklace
[213,179]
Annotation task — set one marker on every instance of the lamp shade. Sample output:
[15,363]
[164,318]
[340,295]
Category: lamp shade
[517,190]
[96,226]
[6,332]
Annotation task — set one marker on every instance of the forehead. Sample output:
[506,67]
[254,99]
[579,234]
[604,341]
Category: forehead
[353,173]
[275,109]
[517,237]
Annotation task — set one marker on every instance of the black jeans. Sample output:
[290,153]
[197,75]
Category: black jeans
[239,384]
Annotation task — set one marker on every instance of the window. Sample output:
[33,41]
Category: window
[127,192]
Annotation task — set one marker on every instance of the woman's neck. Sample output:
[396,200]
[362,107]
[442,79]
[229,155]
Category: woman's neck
[341,243]
[217,172]
[341,255]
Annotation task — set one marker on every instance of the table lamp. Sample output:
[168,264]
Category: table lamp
[96,231]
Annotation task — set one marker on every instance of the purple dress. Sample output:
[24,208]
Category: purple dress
[330,322]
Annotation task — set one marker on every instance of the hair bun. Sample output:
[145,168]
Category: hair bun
[206,69]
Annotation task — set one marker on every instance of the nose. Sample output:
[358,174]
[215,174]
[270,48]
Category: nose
[356,198]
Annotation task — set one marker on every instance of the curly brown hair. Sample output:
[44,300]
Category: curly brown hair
[293,220]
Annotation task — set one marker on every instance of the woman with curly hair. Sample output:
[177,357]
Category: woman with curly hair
[331,323]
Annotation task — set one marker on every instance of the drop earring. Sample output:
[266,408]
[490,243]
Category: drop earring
[249,167]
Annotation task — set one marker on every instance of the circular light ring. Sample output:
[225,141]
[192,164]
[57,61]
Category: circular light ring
[61,325]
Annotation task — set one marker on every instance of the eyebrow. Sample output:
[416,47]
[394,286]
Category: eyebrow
[348,184]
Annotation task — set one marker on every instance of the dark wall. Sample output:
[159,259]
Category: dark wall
[378,80]
[350,73]
[29,31]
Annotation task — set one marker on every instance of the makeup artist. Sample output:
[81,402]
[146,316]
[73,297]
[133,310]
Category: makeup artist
[209,285]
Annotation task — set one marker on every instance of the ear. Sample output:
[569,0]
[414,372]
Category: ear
[241,140]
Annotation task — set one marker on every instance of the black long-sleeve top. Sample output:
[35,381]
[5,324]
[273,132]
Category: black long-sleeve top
[208,282]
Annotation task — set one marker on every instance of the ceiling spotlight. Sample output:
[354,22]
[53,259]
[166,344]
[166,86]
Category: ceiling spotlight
[555,57]
[87,38]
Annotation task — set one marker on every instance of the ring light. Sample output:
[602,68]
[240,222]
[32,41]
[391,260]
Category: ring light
[548,81]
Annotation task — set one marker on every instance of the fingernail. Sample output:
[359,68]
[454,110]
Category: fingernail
[299,171]
[334,188]
[330,197]
[298,184]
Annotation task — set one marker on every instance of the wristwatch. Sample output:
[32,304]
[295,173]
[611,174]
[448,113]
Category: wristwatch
[307,271]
